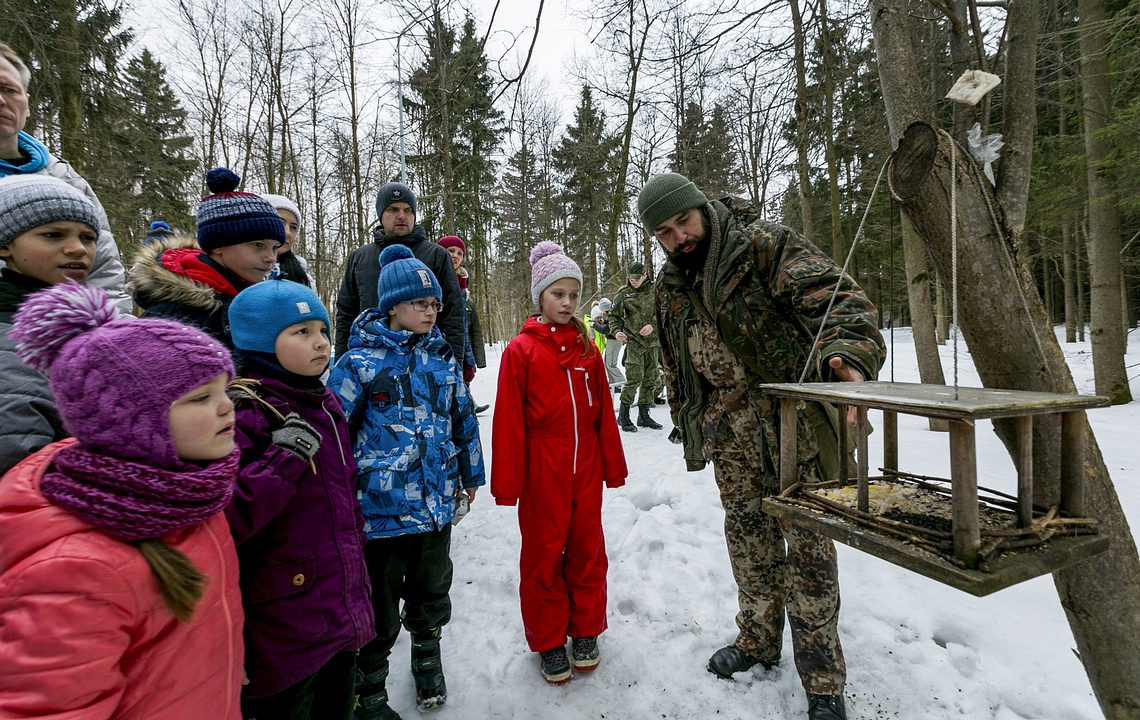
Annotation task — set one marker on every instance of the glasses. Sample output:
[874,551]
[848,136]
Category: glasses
[425,305]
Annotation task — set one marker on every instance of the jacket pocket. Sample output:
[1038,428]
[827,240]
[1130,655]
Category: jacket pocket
[280,581]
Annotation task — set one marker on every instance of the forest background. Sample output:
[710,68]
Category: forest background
[779,103]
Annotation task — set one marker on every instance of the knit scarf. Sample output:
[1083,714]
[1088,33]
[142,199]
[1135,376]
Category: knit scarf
[130,501]
[709,271]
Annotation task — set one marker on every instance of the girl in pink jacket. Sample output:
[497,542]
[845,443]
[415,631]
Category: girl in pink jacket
[118,576]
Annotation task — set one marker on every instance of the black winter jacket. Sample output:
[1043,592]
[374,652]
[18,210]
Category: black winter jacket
[362,272]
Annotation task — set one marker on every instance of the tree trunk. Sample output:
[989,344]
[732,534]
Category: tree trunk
[1108,339]
[905,103]
[802,138]
[1067,263]
[918,287]
[1013,346]
[71,131]
[837,249]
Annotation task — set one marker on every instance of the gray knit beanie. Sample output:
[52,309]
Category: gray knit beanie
[28,201]
[664,196]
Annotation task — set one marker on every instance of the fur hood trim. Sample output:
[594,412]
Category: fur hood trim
[150,282]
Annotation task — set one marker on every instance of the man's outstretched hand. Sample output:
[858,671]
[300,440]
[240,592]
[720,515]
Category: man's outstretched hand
[846,372]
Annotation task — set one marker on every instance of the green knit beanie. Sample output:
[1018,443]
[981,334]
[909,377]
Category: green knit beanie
[664,196]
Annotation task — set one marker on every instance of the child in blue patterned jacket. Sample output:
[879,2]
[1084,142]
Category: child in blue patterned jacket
[417,448]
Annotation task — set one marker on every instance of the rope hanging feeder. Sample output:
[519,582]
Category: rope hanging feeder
[943,528]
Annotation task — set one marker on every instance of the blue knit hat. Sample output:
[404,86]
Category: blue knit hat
[231,218]
[394,192]
[260,312]
[404,278]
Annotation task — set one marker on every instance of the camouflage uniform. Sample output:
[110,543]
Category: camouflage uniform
[633,309]
[747,318]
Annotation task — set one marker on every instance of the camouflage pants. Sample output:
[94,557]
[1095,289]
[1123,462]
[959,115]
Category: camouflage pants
[642,373]
[802,579]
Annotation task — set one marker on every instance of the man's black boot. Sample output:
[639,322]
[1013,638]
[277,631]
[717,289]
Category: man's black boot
[826,707]
[730,660]
[643,419]
[372,696]
[427,669]
[623,419]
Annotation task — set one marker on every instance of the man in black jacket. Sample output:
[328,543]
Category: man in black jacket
[396,207]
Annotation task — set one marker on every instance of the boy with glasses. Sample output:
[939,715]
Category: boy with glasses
[416,443]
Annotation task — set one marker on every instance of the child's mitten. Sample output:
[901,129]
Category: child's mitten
[298,437]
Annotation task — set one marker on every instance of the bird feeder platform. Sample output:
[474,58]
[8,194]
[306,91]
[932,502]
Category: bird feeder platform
[937,527]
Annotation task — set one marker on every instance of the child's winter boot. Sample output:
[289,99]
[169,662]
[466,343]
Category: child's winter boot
[427,669]
[643,419]
[623,419]
[584,653]
[555,665]
[372,696]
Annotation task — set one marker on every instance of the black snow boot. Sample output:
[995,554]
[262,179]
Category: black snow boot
[623,419]
[372,696]
[730,660]
[826,707]
[643,419]
[427,669]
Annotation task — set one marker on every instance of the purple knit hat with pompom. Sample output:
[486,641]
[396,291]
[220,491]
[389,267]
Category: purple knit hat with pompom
[114,380]
[548,264]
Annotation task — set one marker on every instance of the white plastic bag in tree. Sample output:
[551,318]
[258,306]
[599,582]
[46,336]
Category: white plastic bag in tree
[984,149]
[973,86]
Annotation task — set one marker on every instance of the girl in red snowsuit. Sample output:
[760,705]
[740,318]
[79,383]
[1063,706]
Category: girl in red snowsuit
[555,442]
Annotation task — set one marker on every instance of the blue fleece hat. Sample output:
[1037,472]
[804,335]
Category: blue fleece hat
[404,278]
[394,192]
[229,217]
[262,311]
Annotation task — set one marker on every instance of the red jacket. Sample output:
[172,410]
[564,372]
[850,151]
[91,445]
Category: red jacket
[84,632]
[553,413]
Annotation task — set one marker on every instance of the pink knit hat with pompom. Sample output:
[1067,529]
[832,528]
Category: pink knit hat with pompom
[549,264]
[114,380]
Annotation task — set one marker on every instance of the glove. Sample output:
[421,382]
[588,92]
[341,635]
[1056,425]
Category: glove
[298,437]
[468,373]
[675,436]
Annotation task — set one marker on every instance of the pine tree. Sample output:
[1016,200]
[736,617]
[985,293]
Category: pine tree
[585,157]
[704,153]
[460,130]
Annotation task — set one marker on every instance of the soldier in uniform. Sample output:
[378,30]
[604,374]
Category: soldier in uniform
[739,303]
[633,320]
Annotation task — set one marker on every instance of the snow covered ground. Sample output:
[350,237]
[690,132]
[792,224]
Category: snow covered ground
[915,648]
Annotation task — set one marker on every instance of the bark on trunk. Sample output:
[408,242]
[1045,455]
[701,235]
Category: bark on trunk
[1013,346]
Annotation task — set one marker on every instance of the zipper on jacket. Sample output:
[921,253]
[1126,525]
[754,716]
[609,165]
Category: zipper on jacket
[573,409]
[589,395]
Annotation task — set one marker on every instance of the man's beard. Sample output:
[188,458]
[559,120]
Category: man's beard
[694,260]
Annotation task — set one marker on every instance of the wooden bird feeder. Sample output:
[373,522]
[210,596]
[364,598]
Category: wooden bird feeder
[985,546]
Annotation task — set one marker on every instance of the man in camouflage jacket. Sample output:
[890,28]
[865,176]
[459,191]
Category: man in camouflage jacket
[633,321]
[739,303]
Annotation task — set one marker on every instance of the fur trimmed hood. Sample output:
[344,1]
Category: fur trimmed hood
[151,281]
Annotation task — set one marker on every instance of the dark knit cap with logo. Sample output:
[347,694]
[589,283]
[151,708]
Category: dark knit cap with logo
[404,278]
[394,192]
[664,196]
[229,217]
[28,201]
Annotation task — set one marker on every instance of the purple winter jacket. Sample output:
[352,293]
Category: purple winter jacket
[299,539]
